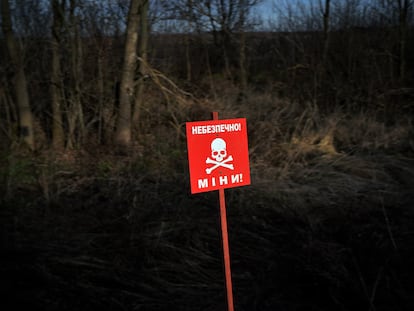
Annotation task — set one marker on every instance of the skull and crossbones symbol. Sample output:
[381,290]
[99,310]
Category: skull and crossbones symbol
[218,156]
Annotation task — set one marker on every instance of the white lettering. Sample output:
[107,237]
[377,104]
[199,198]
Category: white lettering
[202,183]
[213,129]
[235,178]
[223,180]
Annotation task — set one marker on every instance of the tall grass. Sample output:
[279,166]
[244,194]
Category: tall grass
[325,225]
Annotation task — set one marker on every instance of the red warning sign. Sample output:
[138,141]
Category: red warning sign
[218,154]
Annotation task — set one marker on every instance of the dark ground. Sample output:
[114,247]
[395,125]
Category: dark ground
[138,241]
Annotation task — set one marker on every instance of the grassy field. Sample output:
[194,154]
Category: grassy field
[327,223]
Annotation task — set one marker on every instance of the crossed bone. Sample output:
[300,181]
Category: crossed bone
[218,164]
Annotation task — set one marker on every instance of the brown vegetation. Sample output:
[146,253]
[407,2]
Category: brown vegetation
[325,225]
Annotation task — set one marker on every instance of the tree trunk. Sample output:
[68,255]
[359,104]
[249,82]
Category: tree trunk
[322,66]
[142,52]
[242,51]
[326,28]
[56,87]
[403,7]
[123,125]
[8,111]
[76,124]
[187,41]
[19,81]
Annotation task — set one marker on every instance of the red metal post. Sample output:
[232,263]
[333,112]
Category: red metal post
[225,238]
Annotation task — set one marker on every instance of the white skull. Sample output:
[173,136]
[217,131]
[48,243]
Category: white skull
[218,149]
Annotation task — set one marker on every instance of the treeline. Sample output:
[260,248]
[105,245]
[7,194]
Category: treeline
[76,71]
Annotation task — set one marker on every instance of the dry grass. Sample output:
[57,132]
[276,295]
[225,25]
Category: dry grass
[325,225]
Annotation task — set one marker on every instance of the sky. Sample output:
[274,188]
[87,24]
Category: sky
[265,8]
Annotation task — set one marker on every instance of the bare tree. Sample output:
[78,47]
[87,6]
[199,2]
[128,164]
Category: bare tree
[322,67]
[142,53]
[227,20]
[75,115]
[326,28]
[243,11]
[19,79]
[404,7]
[56,87]
[123,125]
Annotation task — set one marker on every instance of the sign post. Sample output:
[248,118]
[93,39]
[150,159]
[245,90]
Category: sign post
[218,158]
